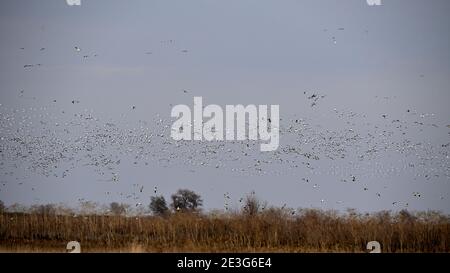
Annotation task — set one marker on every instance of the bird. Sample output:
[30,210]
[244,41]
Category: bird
[77,49]
[88,147]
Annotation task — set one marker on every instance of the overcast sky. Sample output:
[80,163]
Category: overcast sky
[367,61]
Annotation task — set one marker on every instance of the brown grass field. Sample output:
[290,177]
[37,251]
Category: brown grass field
[274,230]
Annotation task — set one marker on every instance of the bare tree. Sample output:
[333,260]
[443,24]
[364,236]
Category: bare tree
[252,205]
[186,201]
[2,206]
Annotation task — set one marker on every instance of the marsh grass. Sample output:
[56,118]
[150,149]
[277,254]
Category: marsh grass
[274,230]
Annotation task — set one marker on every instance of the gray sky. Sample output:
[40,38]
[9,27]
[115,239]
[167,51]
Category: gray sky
[367,61]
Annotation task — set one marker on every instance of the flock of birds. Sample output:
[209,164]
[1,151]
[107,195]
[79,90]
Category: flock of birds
[46,140]
[37,140]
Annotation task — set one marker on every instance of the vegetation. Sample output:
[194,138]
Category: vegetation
[250,229]
[117,209]
[158,206]
[252,205]
[186,201]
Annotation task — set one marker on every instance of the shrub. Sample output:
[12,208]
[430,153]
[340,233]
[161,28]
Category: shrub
[117,209]
[158,205]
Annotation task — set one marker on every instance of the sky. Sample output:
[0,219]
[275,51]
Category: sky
[378,133]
